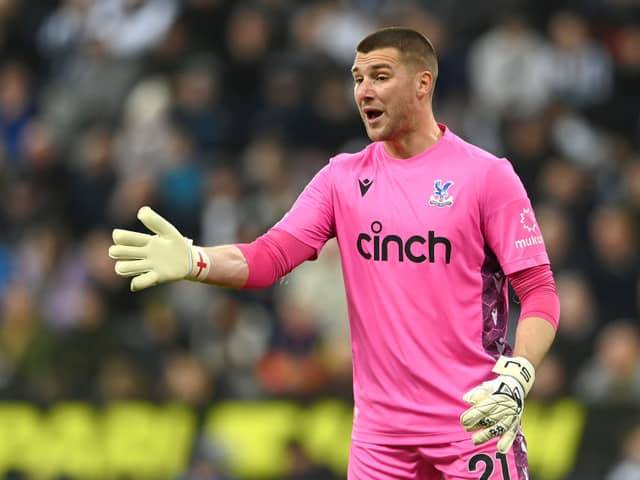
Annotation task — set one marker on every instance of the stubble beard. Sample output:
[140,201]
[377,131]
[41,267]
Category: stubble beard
[380,134]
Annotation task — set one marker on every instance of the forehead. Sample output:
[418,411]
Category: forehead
[389,57]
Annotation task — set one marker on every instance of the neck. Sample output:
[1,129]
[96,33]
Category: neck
[413,142]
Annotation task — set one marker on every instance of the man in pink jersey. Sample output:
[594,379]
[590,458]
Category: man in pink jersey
[429,229]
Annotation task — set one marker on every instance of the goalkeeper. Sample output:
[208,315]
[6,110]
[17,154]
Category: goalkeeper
[430,229]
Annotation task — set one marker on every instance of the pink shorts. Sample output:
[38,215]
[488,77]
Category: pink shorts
[446,461]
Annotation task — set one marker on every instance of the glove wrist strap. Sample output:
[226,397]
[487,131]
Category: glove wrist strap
[200,264]
[519,368]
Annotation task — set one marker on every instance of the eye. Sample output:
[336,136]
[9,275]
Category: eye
[381,77]
[357,80]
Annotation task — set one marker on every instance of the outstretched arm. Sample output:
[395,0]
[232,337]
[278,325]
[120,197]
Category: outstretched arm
[257,264]
[168,256]
[229,266]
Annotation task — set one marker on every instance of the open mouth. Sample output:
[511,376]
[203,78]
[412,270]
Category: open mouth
[373,114]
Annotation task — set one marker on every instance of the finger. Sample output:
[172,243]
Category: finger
[488,433]
[476,395]
[127,237]
[475,417]
[156,223]
[504,444]
[483,422]
[125,252]
[128,268]
[466,419]
[143,281]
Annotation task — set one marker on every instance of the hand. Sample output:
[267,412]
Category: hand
[153,259]
[497,404]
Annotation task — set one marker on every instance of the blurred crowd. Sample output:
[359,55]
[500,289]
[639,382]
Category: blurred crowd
[218,112]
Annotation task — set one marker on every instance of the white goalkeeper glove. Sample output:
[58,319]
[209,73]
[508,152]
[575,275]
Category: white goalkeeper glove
[154,259]
[497,404]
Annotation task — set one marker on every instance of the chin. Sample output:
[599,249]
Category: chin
[376,136]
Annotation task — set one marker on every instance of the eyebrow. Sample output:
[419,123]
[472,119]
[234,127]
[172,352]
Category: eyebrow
[375,66]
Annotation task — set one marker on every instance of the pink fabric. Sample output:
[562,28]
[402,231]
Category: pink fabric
[537,292]
[437,461]
[272,256]
[425,244]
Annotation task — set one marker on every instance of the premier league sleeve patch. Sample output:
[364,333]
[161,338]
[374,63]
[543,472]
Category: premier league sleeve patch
[531,232]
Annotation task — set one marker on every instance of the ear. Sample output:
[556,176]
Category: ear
[424,81]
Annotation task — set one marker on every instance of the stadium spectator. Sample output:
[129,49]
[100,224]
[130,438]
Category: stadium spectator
[612,374]
[628,466]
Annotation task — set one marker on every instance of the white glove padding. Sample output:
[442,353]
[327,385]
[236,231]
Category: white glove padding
[154,259]
[497,404]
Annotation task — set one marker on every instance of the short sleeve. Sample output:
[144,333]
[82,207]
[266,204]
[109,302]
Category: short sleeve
[311,218]
[509,222]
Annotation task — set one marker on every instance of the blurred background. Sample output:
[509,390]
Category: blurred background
[217,113]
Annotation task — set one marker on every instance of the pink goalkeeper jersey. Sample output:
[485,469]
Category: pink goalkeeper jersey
[425,243]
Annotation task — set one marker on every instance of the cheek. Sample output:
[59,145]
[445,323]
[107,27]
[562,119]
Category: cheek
[400,97]
[409,102]
[399,105]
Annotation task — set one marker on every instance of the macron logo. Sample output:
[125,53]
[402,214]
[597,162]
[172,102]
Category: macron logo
[365,185]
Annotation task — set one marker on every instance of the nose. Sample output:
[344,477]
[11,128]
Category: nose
[363,92]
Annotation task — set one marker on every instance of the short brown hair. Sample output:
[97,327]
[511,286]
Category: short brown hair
[414,47]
